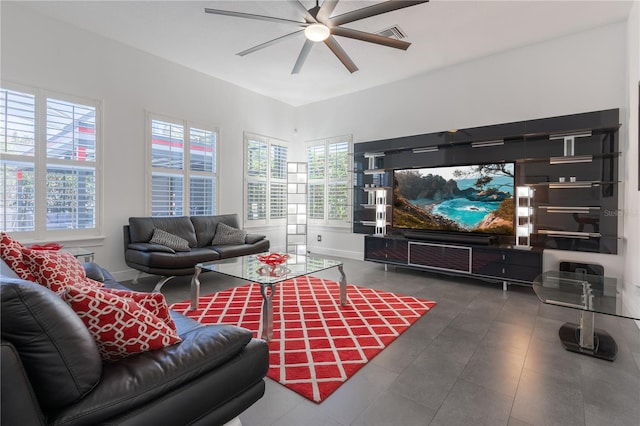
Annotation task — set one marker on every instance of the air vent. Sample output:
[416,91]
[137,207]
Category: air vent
[393,32]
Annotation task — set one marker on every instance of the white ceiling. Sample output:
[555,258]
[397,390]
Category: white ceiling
[442,33]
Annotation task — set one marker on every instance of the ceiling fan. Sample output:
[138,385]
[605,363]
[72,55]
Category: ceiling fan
[320,26]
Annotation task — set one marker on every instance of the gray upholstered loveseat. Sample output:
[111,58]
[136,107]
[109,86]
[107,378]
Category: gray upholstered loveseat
[200,233]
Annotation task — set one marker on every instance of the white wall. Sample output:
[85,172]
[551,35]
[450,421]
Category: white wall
[577,73]
[631,291]
[40,52]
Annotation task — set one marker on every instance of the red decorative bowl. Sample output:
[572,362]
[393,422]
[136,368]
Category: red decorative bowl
[48,246]
[272,259]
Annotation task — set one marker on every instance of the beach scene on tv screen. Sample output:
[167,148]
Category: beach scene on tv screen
[472,198]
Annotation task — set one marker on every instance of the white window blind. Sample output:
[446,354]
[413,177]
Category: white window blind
[18,132]
[59,143]
[183,168]
[316,201]
[265,180]
[329,181]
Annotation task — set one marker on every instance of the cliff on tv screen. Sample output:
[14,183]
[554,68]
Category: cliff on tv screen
[472,198]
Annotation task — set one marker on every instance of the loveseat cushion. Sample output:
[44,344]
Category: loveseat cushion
[141,228]
[155,259]
[150,247]
[234,250]
[58,353]
[206,226]
[140,379]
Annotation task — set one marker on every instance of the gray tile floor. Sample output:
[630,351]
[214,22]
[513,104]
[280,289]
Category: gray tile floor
[480,357]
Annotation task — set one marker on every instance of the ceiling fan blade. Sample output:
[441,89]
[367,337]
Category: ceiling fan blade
[268,43]
[341,54]
[376,9]
[370,37]
[257,17]
[306,48]
[305,13]
[326,10]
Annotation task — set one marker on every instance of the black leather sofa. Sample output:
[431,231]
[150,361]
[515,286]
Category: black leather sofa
[52,373]
[199,231]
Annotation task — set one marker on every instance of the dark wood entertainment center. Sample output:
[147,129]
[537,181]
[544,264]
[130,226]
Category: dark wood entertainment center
[568,166]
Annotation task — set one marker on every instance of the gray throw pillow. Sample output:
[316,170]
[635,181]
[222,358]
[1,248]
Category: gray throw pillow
[226,234]
[169,240]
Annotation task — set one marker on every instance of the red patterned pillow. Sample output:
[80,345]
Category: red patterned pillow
[11,253]
[155,302]
[120,326]
[56,269]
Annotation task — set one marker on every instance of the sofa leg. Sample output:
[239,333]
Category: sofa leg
[162,282]
[135,280]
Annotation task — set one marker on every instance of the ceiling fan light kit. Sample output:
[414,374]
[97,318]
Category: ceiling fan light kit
[320,26]
[317,32]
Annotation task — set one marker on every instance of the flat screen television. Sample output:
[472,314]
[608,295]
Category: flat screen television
[477,198]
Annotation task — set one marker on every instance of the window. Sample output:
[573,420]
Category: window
[183,168]
[265,180]
[329,181]
[49,167]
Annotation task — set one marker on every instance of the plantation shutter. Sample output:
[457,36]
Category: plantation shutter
[71,169]
[337,181]
[278,181]
[17,167]
[202,169]
[257,180]
[167,162]
[316,165]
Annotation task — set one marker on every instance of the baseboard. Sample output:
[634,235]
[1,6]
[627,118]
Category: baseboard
[338,253]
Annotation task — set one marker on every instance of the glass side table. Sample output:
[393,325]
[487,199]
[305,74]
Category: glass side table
[80,252]
[589,294]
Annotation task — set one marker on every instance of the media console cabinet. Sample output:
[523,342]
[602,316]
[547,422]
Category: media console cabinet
[497,263]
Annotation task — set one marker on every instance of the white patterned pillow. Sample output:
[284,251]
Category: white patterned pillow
[167,239]
[226,234]
[56,269]
[119,325]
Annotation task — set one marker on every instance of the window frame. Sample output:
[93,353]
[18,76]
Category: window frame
[185,173]
[247,179]
[41,162]
[327,181]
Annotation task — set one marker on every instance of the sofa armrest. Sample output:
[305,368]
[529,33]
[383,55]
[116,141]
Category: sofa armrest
[150,247]
[19,403]
[140,379]
[253,238]
[93,271]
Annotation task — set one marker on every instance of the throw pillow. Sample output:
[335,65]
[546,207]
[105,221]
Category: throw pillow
[154,302]
[226,234]
[169,240]
[11,254]
[120,326]
[56,269]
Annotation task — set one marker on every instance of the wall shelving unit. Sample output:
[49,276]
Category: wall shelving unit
[566,172]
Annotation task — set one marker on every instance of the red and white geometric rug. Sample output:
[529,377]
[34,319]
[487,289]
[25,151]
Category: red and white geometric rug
[317,344]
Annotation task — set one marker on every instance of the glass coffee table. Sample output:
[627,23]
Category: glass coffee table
[249,268]
[589,294]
